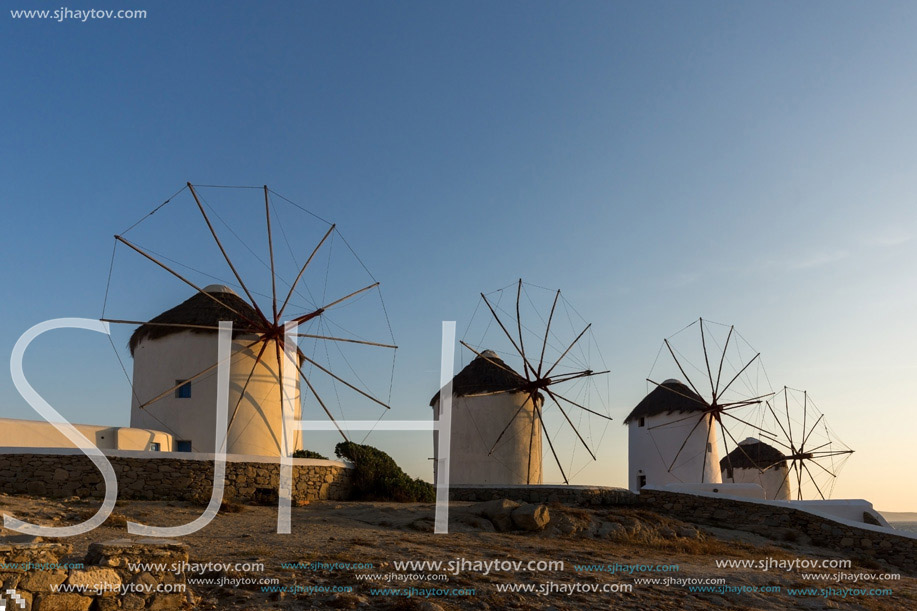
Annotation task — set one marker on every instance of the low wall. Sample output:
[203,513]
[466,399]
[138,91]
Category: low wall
[31,570]
[567,495]
[167,476]
[779,521]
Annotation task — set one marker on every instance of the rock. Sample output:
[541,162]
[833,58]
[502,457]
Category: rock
[667,533]
[489,509]
[610,529]
[130,602]
[108,603]
[63,602]
[20,540]
[99,579]
[467,522]
[43,581]
[498,511]
[531,517]
[167,602]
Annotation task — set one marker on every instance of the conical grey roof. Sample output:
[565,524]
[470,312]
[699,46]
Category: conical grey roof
[199,310]
[752,454]
[670,396]
[484,375]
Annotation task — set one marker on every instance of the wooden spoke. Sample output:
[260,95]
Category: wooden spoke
[534,399]
[786,477]
[822,467]
[745,422]
[738,445]
[344,382]
[525,362]
[508,335]
[719,371]
[567,377]
[194,377]
[322,309]
[696,399]
[703,466]
[741,371]
[528,473]
[570,347]
[685,442]
[817,487]
[244,388]
[591,411]
[189,283]
[807,435]
[746,402]
[489,360]
[671,422]
[270,247]
[570,422]
[344,339]
[703,341]
[681,369]
[168,324]
[547,332]
[321,403]
[550,444]
[216,238]
[301,272]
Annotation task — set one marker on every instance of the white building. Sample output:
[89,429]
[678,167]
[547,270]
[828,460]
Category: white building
[756,462]
[487,394]
[164,357]
[16,433]
[665,446]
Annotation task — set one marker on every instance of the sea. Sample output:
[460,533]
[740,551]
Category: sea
[910,527]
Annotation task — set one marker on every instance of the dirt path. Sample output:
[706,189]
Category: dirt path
[383,535]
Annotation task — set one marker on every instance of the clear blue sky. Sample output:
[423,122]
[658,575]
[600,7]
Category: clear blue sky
[752,163]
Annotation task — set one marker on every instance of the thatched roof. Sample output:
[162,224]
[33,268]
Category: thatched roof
[483,376]
[670,396]
[752,454]
[199,310]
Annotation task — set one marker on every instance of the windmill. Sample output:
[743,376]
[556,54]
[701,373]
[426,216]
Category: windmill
[813,453]
[707,382]
[301,297]
[541,367]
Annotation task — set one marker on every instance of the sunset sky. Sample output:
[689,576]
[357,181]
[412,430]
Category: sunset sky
[751,163]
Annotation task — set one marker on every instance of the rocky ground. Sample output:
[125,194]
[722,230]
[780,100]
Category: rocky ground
[384,534]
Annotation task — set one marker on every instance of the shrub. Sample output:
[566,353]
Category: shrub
[308,454]
[376,476]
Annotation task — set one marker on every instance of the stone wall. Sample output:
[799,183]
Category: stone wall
[788,524]
[31,570]
[161,477]
[567,495]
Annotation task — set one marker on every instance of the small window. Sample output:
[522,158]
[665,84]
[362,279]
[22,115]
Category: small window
[183,445]
[155,446]
[642,421]
[641,481]
[709,447]
[183,391]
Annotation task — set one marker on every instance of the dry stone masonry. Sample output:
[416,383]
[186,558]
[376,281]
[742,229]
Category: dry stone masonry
[38,573]
[69,475]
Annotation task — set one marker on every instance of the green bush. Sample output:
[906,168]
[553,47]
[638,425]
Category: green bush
[376,476]
[308,454]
